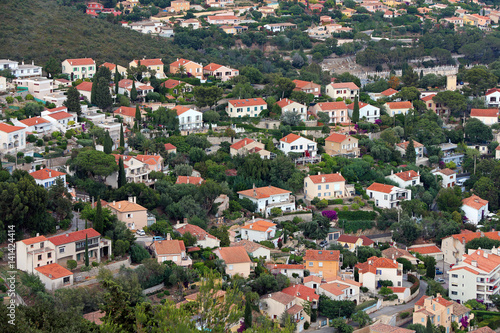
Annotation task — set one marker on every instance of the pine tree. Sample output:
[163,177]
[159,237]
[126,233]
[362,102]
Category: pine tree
[122,137]
[103,97]
[98,220]
[86,251]
[248,315]
[410,153]
[137,116]
[122,178]
[108,143]
[133,92]
[117,79]
[355,110]
[72,101]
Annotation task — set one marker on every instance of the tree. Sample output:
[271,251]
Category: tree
[411,154]
[222,234]
[59,200]
[355,110]
[291,118]
[133,92]
[98,219]
[86,251]
[117,79]
[449,200]
[487,190]
[333,309]
[410,78]
[324,117]
[477,132]
[138,253]
[138,117]
[207,96]
[211,117]
[483,243]
[52,67]
[72,101]
[102,94]
[362,318]
[122,178]
[283,87]
[248,315]
[480,80]
[95,164]
[71,264]
[108,143]
[122,137]
[430,267]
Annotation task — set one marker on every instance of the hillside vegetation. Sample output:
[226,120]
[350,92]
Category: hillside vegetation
[39,29]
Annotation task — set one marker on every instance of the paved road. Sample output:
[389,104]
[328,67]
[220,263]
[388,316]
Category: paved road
[390,310]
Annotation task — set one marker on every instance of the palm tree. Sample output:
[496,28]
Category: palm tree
[182,70]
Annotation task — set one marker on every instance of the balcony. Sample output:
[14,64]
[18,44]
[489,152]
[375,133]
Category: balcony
[291,200]
[91,246]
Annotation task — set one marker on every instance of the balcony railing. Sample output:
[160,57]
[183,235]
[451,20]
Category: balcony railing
[91,246]
[289,201]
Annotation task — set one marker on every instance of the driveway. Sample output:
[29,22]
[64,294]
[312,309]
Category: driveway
[390,310]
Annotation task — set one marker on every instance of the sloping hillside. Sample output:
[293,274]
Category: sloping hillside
[39,29]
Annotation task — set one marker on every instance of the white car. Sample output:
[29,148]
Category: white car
[140,232]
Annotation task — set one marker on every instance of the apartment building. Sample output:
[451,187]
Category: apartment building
[39,87]
[441,312]
[12,138]
[453,246]
[387,196]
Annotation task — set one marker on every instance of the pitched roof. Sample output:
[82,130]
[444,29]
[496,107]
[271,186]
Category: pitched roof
[73,236]
[421,301]
[407,175]
[475,202]
[33,240]
[242,143]
[171,246]
[281,266]
[446,172]
[181,109]
[189,180]
[398,289]
[327,178]
[84,86]
[324,255]
[468,235]
[377,187]
[212,67]
[284,102]
[45,173]
[196,231]
[389,92]
[169,146]
[372,263]
[425,249]
[360,104]
[54,271]
[336,137]
[281,297]
[295,309]
[428,97]
[405,144]
[399,105]
[469,269]
[260,225]
[263,192]
[301,84]
[334,288]
[149,62]
[491,91]
[290,138]
[109,66]
[302,292]
[326,106]
[234,255]
[170,83]
[397,253]
[34,121]
[247,102]
[81,61]
[365,241]
[60,115]
[180,62]
[125,111]
[484,261]
[125,206]
[9,128]
[341,85]
[484,113]
[312,278]
[384,328]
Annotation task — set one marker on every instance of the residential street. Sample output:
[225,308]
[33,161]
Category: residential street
[390,310]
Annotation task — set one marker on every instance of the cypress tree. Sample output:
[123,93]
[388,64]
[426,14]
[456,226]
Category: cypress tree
[355,110]
[86,251]
[410,153]
[122,137]
[137,115]
[108,143]
[98,220]
[117,79]
[102,95]
[72,101]
[248,315]
[122,178]
[133,92]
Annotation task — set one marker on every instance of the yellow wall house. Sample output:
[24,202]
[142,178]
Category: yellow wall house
[441,312]
[135,216]
[322,263]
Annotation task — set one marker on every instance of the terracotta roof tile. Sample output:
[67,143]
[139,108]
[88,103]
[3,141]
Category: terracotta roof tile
[149,62]
[312,278]
[389,92]
[263,192]
[327,178]
[212,67]
[335,137]
[242,143]
[196,231]
[373,263]
[446,172]
[407,175]
[399,105]
[484,113]
[428,97]
[189,180]
[324,255]
[249,246]
[398,289]
[282,266]
[33,240]
[34,121]
[170,83]
[425,249]
[377,187]
[290,138]
[485,262]
[84,86]
[342,85]
[302,292]
[404,144]
[43,174]
[233,255]
[327,106]
[284,102]
[6,128]
[169,146]
[60,115]
[397,253]
[247,102]
[334,288]
[125,111]
[125,206]
[172,246]
[384,328]
[457,268]
[262,226]
[281,297]
[73,236]
[295,309]
[81,61]
[54,271]
[475,202]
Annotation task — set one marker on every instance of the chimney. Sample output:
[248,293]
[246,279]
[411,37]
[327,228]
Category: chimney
[474,263]
[253,218]
[130,199]
[319,173]
[286,139]
[135,199]
[254,193]
[50,275]
[67,235]
[253,186]
[392,172]
[485,255]
[114,203]
[482,234]
[185,220]
[119,206]
[37,234]
[322,179]
[50,174]
[168,236]
[393,256]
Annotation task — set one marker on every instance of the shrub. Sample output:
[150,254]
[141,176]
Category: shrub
[138,253]
[64,224]
[330,214]
[166,293]
[363,289]
[95,263]
[416,283]
[353,226]
[269,244]
[357,215]
[306,325]
[85,268]
[322,204]
[3,288]
[9,99]
[285,249]
[335,201]
[355,206]
[345,208]
[71,264]
[404,315]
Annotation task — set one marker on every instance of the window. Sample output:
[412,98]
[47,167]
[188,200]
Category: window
[320,264]
[41,245]
[385,196]
[75,69]
[433,307]
[311,264]
[439,318]
[319,187]
[49,255]
[230,267]
[422,320]
[379,272]
[39,257]
[454,276]
[327,187]
[448,311]
[61,249]
[66,279]
[129,216]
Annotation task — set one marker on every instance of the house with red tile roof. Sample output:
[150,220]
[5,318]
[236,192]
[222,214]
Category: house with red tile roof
[171,250]
[454,246]
[293,143]
[34,124]
[152,162]
[275,304]
[131,213]
[396,253]
[12,137]
[60,119]
[486,116]
[79,68]
[190,180]
[289,270]
[127,113]
[475,208]
[377,269]
[430,250]
[34,252]
[250,107]
[448,177]
[170,148]
[341,144]
[394,108]
[54,276]
[492,97]
[236,259]
[249,146]
[387,196]
[344,90]
[136,171]
[258,230]
[322,263]
[405,178]
[326,186]
[203,238]
[439,108]
[188,67]
[154,66]
[303,293]
[337,111]
[220,72]
[367,112]
[189,118]
[307,87]
[268,197]
[125,87]
[441,311]
[352,242]
[177,86]
[47,177]
[287,105]
[419,149]
[112,68]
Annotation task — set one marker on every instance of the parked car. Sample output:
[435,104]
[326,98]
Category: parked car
[440,280]
[140,232]
[323,243]
[438,272]
[158,238]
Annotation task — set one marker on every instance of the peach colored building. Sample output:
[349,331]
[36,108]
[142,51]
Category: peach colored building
[394,108]
[191,68]
[171,250]
[340,144]
[337,111]
[440,311]
[438,108]
[220,72]
[344,90]
[54,276]
[236,259]
[326,186]
[178,6]
[307,87]
[322,262]
[133,215]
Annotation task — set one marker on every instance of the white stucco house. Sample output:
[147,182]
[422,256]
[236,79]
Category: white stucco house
[288,105]
[367,111]
[189,119]
[486,116]
[448,177]
[387,196]
[376,269]
[293,143]
[12,138]
[475,208]
[258,231]
[269,197]
[492,97]
[250,107]
[405,178]
[47,177]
